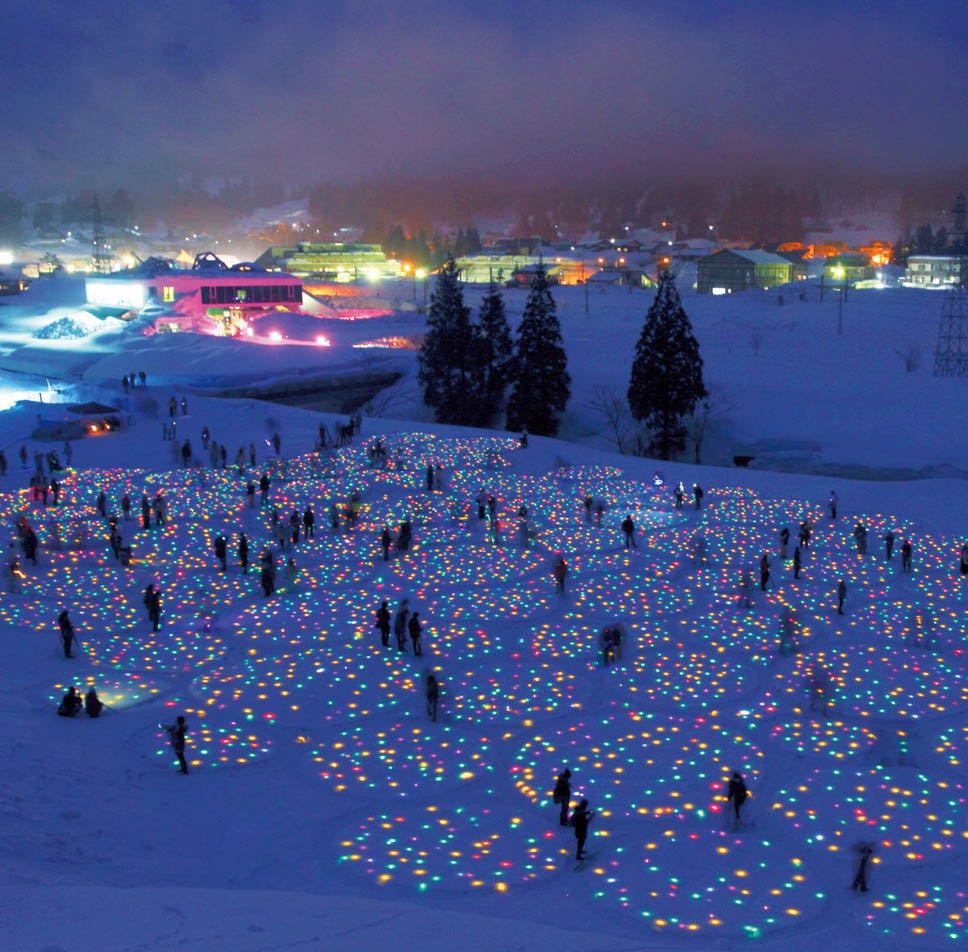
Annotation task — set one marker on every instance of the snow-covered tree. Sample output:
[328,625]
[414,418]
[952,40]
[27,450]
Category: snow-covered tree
[541,385]
[666,382]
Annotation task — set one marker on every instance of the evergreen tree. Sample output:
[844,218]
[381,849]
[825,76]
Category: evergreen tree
[494,353]
[540,381]
[666,382]
[448,355]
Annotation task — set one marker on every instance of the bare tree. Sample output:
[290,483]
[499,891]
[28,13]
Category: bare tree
[621,429]
[708,413]
[910,355]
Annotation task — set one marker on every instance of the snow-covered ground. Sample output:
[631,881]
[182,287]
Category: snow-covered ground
[325,810]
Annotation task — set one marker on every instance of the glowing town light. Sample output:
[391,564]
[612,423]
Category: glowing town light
[323,341]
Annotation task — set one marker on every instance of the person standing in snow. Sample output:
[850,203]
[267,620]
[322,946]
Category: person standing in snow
[865,852]
[764,572]
[413,626]
[784,541]
[243,553]
[580,820]
[400,625]
[68,637]
[383,622]
[736,794]
[221,548]
[963,567]
[841,596]
[797,562]
[628,528]
[433,696]
[860,536]
[697,495]
[906,549]
[562,795]
[832,504]
[888,545]
[385,541]
[560,572]
[176,734]
[153,604]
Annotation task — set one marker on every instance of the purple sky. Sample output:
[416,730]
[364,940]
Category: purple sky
[99,92]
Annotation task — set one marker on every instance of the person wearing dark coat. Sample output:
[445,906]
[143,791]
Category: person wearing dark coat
[386,540]
[67,632]
[866,851]
[906,555]
[152,601]
[562,795]
[383,622]
[309,523]
[580,820]
[628,527]
[433,696]
[243,552]
[93,705]
[416,631]
[736,793]
[400,626]
[71,703]
[220,552]
[176,733]
[30,545]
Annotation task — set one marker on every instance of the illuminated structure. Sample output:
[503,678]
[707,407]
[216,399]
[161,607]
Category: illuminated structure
[727,271]
[333,261]
[932,271]
[209,297]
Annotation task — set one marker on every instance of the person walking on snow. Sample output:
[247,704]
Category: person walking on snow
[841,595]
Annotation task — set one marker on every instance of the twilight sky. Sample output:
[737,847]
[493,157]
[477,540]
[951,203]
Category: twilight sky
[97,93]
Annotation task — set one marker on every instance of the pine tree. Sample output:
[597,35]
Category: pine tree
[666,382]
[494,353]
[540,380]
[448,355]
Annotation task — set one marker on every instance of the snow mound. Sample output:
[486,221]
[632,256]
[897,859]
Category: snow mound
[71,327]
